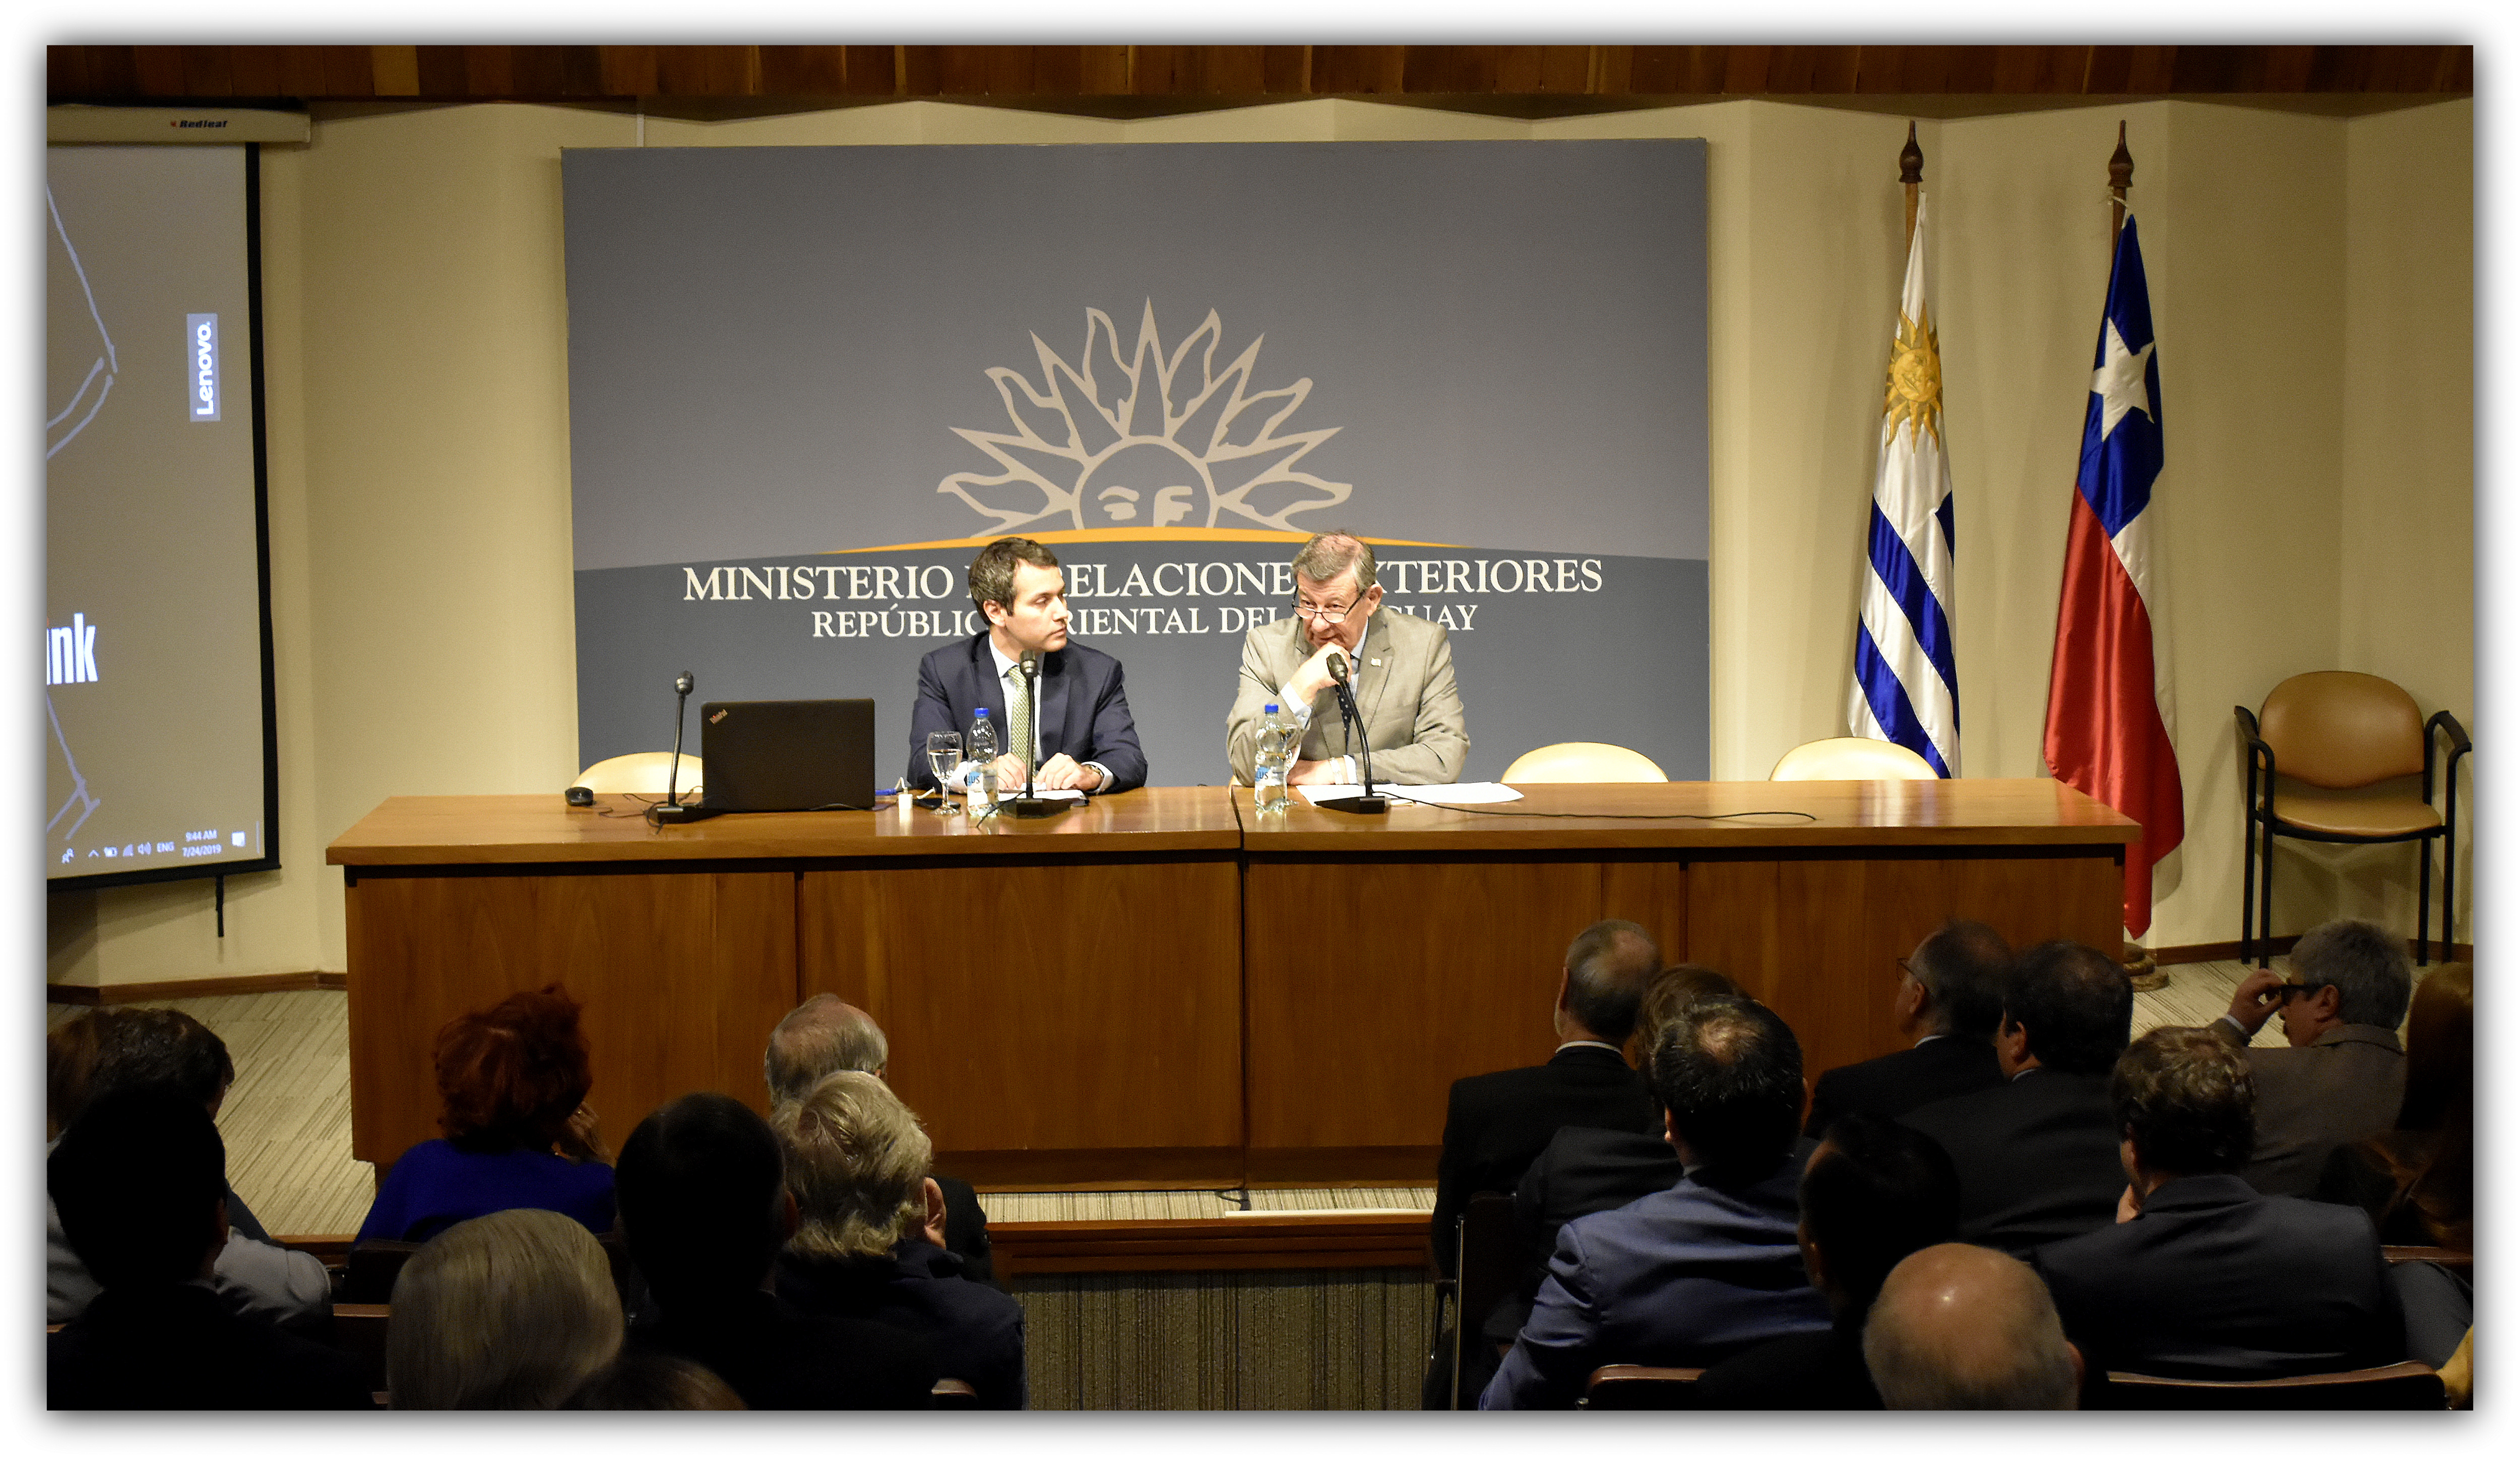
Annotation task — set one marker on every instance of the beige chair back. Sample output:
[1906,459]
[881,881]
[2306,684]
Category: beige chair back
[1852,759]
[1583,762]
[2342,730]
[640,774]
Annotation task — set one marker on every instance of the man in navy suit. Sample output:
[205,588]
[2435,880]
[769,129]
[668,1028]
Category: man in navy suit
[2203,1277]
[1951,997]
[1083,738]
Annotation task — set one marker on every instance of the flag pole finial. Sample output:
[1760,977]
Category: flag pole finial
[2120,176]
[1911,173]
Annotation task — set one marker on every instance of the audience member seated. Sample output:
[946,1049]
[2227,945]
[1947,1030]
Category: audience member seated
[1950,998]
[512,1085]
[2343,1074]
[654,1381]
[2038,1155]
[1874,1192]
[111,1049]
[826,1036]
[2202,1276]
[705,1210]
[1586,1169]
[513,1310]
[1686,1276]
[1963,1327]
[2417,1182]
[869,1227]
[140,1180]
[1494,1124]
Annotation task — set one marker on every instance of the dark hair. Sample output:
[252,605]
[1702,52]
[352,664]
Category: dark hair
[1607,967]
[641,1379]
[510,1076]
[137,1179]
[1962,968]
[1876,1192]
[2076,1003]
[1730,1074]
[160,1048]
[2364,962]
[70,1067]
[2432,1162]
[2184,1096]
[1669,991]
[702,1198]
[993,572]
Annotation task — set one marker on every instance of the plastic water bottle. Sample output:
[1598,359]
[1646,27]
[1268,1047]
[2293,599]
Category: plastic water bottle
[1269,769]
[980,748]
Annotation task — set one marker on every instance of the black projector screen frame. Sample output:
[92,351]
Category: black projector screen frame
[268,831]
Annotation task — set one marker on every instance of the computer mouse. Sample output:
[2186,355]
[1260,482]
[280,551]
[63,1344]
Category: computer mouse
[578,794]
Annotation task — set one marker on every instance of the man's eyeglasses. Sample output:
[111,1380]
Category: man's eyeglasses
[1325,613]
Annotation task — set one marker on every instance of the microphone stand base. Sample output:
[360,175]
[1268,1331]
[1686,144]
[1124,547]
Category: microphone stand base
[1360,805]
[1029,808]
[681,816]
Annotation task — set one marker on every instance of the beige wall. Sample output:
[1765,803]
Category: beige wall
[416,356]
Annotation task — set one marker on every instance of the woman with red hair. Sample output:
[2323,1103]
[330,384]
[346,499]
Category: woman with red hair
[512,1081]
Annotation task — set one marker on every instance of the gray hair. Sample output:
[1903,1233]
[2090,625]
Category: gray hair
[513,1310]
[1330,554]
[1607,967]
[857,1164]
[1960,1326]
[822,1036]
[2364,962]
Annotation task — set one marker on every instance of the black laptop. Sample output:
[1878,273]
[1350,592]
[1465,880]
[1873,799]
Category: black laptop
[788,754]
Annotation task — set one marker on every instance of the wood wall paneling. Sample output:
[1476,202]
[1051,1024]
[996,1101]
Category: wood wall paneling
[1045,1006]
[683,975]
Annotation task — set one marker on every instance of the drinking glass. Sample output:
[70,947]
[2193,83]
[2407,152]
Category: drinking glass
[944,753]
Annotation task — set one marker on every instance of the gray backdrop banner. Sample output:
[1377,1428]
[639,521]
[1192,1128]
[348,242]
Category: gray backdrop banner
[840,368]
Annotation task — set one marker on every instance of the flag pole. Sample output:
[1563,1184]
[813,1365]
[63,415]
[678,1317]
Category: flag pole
[1911,173]
[2120,174]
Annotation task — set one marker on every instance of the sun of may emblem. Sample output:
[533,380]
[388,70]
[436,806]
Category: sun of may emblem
[1916,380]
[1144,440]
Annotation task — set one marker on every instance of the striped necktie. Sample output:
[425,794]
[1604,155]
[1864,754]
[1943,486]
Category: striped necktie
[1019,717]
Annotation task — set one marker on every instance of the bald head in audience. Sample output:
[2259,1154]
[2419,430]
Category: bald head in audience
[1607,967]
[1968,1327]
[824,1037]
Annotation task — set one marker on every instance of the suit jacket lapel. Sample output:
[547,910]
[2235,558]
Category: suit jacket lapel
[1376,644]
[1050,721]
[991,690]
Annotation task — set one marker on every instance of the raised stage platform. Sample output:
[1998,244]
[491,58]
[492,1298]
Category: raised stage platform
[1163,988]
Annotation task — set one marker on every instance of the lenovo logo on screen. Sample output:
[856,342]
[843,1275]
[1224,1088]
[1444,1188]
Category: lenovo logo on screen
[201,346]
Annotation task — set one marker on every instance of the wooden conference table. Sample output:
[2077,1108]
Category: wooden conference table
[1163,988]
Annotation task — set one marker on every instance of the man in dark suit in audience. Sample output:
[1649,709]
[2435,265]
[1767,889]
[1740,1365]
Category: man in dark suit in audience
[140,1180]
[1965,1327]
[1875,1192]
[1494,1124]
[2344,1074]
[705,1211]
[2202,1276]
[826,1036]
[2038,1155]
[1690,1276]
[1950,995]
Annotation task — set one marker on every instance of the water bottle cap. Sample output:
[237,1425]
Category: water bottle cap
[1272,709]
[980,714]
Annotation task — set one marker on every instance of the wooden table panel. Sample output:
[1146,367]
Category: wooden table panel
[1072,1049]
[715,952]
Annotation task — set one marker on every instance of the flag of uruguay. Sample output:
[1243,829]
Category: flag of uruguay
[1907,675]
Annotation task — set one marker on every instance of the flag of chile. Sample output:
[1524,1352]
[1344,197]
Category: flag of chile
[2106,733]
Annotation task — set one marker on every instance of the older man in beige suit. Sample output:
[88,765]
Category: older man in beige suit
[1400,669]
[2345,1071]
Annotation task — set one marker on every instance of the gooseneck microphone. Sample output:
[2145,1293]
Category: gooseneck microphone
[1030,806]
[671,810]
[1368,804]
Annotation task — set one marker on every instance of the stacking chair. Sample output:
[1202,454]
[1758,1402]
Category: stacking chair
[2337,740]
[641,774]
[1852,758]
[2400,1385]
[1625,1387]
[1489,1262]
[1583,762]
